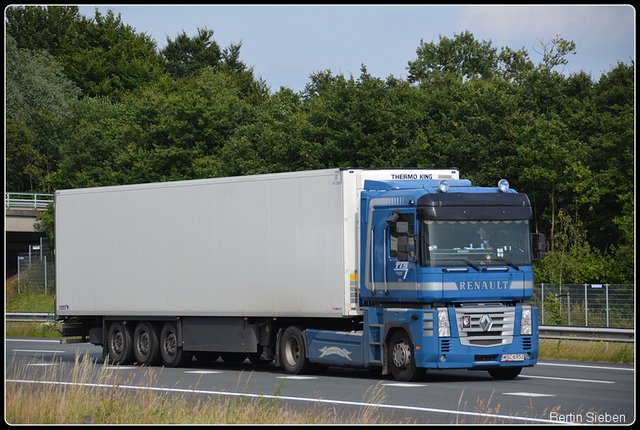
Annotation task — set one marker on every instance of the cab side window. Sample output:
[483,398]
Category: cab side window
[393,236]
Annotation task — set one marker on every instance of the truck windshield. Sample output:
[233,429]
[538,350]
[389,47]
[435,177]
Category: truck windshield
[474,243]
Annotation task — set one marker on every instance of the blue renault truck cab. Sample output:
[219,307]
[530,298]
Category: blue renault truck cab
[445,273]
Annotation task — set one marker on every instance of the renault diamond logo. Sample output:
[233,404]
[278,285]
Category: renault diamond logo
[485,322]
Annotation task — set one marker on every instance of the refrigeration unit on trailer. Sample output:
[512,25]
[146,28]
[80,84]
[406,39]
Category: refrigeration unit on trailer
[399,269]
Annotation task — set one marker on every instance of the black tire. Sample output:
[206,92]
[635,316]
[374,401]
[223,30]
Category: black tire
[145,344]
[120,344]
[401,358]
[505,372]
[293,352]
[170,351]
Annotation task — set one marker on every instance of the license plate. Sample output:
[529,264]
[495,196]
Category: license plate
[512,357]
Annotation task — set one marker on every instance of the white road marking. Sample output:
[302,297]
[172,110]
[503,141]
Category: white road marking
[39,351]
[403,384]
[120,367]
[42,364]
[596,381]
[524,394]
[302,378]
[204,372]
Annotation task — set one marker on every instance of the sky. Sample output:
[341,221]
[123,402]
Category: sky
[287,43]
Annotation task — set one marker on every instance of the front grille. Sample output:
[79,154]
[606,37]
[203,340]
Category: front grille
[500,331]
[444,345]
[526,343]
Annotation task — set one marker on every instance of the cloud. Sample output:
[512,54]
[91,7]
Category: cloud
[588,22]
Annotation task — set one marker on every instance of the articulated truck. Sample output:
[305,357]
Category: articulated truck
[399,270]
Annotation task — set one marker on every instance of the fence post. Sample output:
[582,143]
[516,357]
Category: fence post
[45,274]
[586,317]
[19,258]
[542,301]
[606,297]
[568,307]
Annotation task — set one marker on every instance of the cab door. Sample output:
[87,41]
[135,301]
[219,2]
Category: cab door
[393,256]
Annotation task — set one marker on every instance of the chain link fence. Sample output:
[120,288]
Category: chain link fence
[585,305]
[36,270]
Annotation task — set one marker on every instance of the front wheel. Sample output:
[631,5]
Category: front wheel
[293,351]
[401,358]
[170,351]
[505,372]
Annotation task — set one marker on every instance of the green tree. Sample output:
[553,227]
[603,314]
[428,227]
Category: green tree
[463,56]
[364,122]
[111,59]
[38,100]
[272,141]
[252,89]
[54,29]
[186,55]
[554,51]
[103,56]
[512,64]
[35,84]
[171,126]
[91,146]
[573,261]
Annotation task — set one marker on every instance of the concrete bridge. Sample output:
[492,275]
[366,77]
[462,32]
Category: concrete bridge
[20,213]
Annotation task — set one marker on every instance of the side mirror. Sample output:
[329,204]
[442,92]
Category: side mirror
[402,228]
[540,245]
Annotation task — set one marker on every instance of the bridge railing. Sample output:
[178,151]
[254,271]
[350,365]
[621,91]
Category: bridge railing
[27,200]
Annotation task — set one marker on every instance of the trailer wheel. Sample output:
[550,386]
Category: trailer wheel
[119,343]
[172,353]
[401,358]
[293,351]
[145,343]
[505,372]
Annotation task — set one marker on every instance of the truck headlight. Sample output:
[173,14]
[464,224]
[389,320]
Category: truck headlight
[525,322]
[444,329]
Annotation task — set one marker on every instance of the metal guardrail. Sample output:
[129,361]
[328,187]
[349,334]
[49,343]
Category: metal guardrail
[27,200]
[29,316]
[587,333]
[545,331]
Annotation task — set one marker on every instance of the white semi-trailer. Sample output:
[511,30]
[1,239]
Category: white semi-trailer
[403,269]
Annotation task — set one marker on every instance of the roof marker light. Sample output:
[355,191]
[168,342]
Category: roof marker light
[503,185]
[443,185]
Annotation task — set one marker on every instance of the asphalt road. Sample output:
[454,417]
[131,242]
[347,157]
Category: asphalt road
[552,391]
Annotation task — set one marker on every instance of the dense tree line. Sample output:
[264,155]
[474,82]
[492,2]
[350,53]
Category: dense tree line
[92,102]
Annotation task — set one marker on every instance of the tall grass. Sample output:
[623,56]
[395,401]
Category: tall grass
[597,351]
[94,394]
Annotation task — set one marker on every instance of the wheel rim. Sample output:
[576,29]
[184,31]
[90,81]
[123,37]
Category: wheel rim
[143,343]
[117,343]
[292,351]
[170,344]
[401,355]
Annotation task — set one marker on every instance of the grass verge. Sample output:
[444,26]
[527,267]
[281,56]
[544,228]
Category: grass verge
[578,350]
[103,396]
